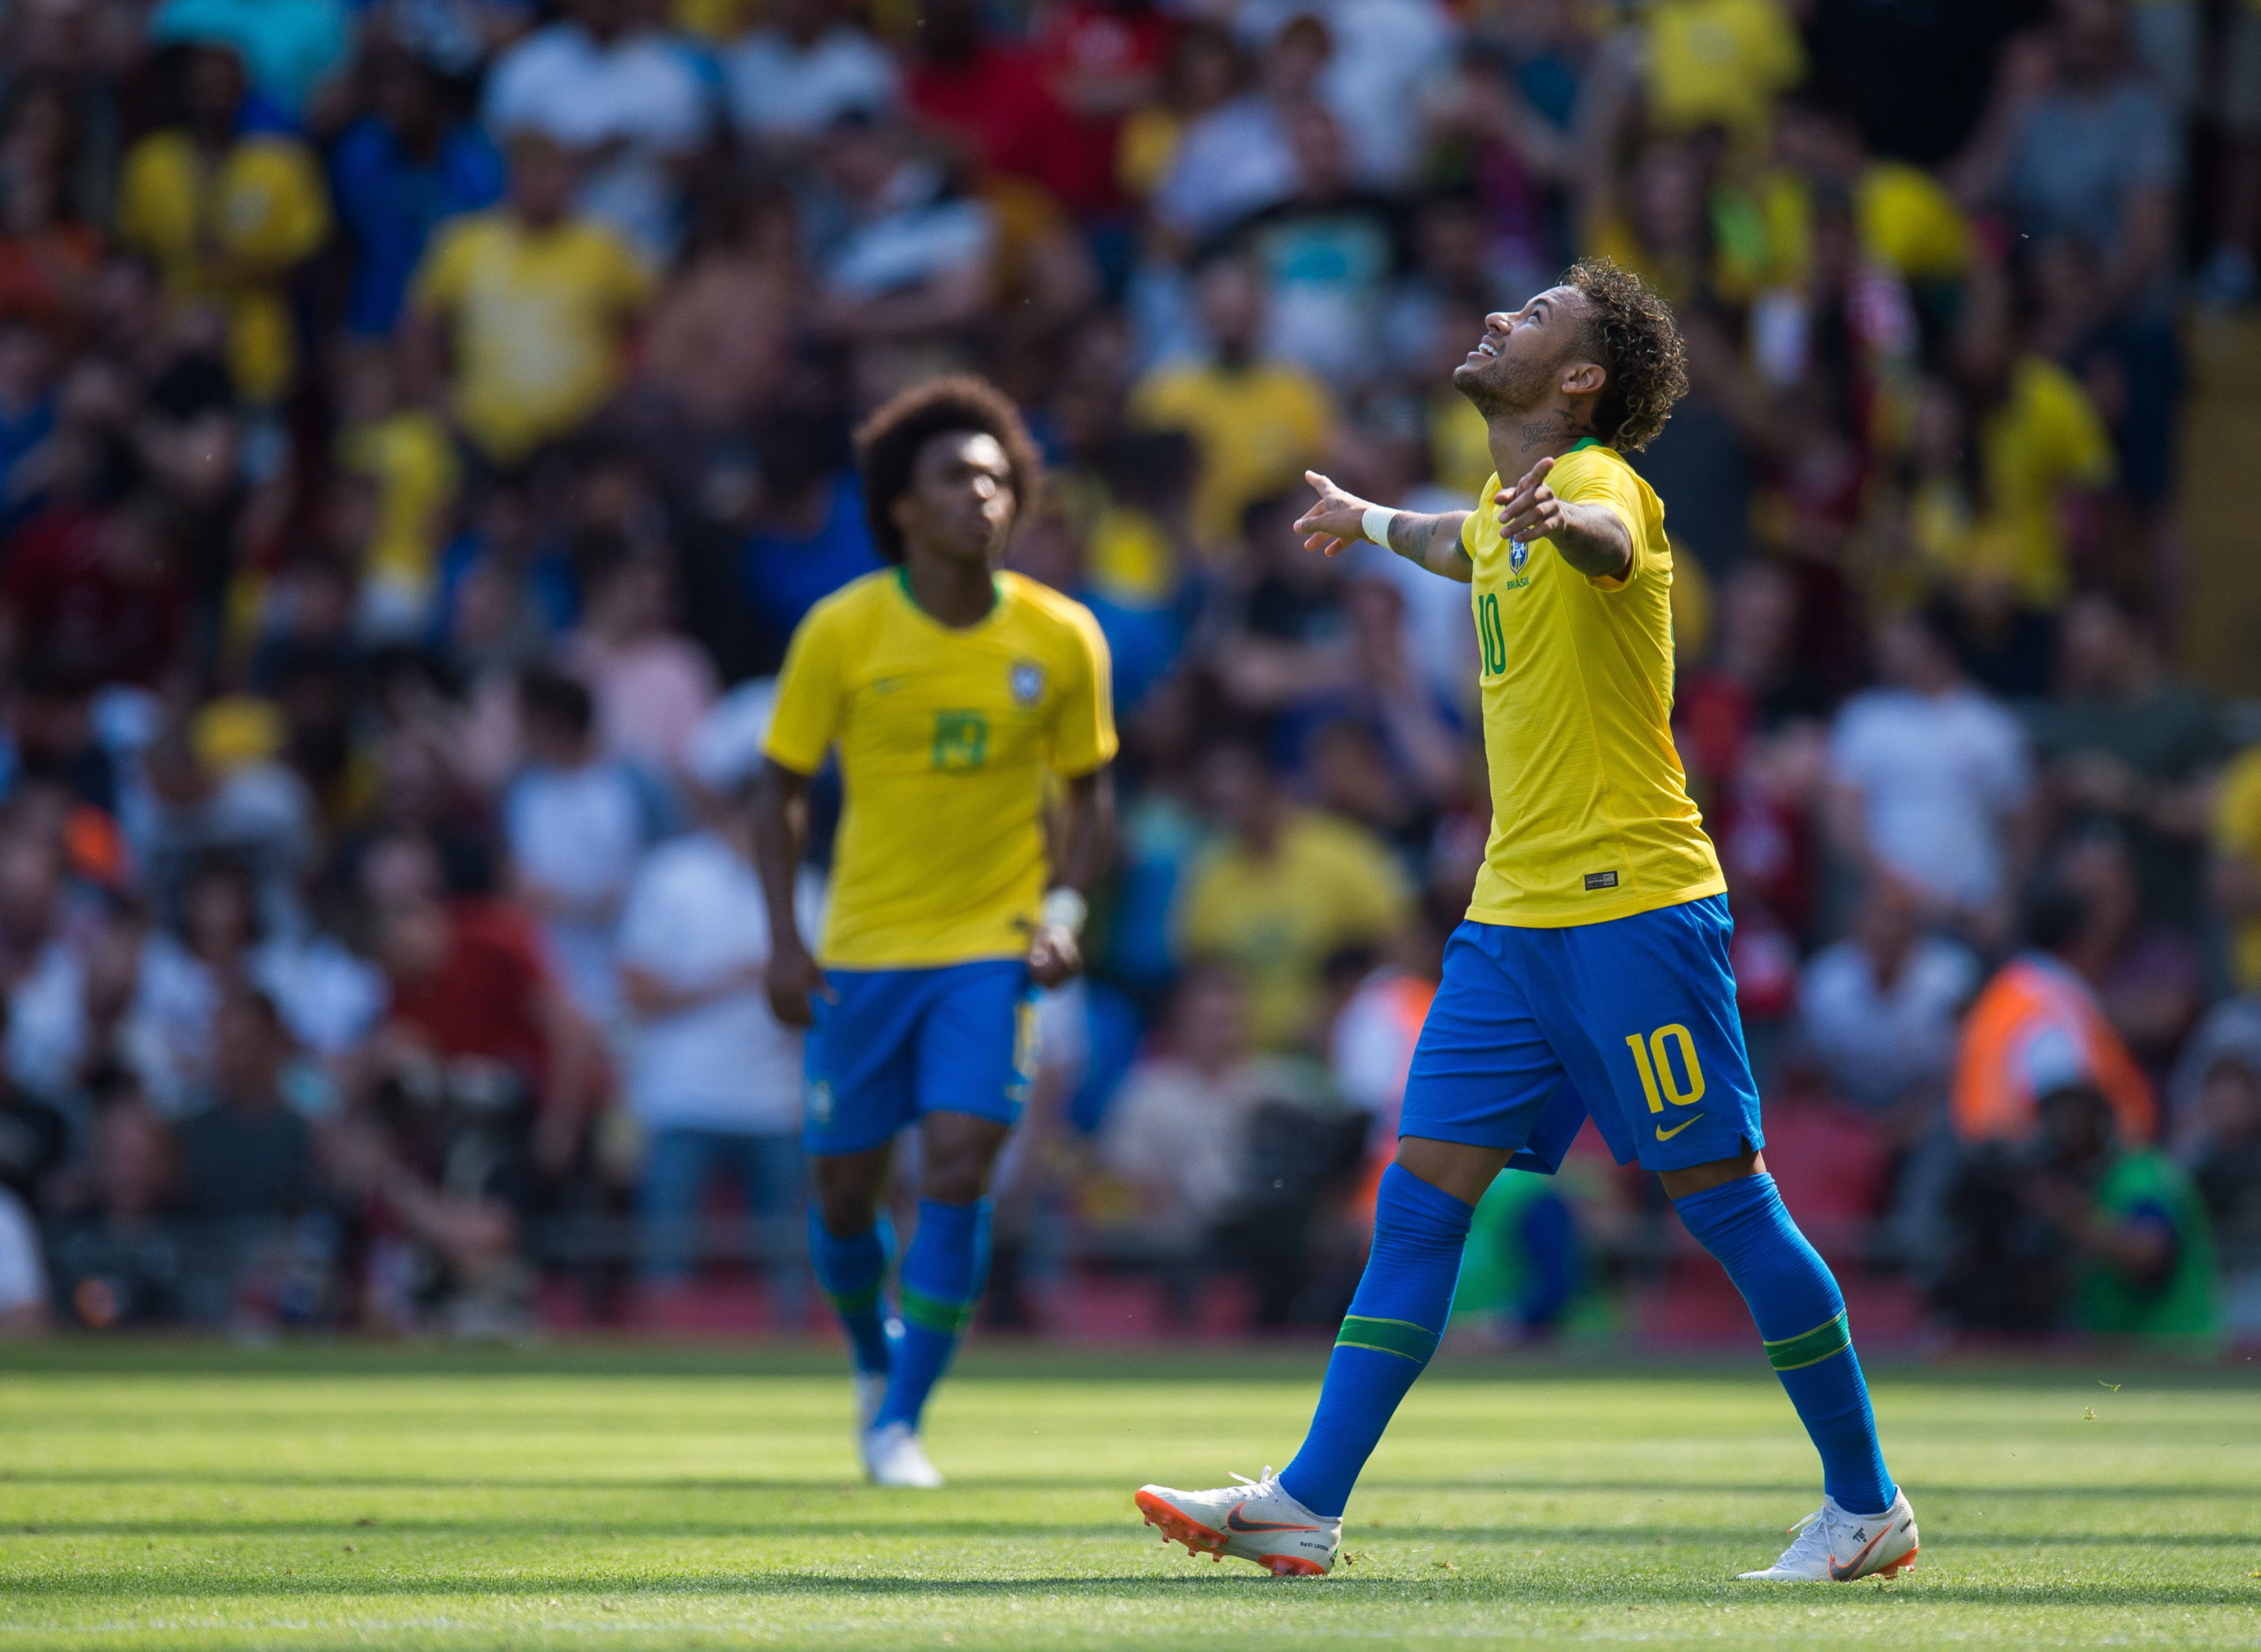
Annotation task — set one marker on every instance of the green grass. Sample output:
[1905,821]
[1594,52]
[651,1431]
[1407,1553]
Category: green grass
[187,1497]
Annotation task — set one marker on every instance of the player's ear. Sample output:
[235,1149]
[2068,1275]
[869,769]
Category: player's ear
[1583,378]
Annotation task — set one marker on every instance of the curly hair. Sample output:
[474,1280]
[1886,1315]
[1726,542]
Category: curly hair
[1633,335]
[889,441]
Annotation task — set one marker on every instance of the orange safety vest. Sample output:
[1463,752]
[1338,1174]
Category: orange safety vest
[2029,997]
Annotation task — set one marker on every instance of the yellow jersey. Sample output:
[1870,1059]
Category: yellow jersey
[540,319]
[230,233]
[947,739]
[1255,430]
[1591,815]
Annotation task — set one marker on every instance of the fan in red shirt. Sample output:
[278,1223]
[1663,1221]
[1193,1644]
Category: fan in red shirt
[1001,99]
[479,1086]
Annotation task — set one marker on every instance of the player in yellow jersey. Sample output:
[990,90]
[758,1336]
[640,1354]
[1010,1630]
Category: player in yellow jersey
[958,699]
[1590,977]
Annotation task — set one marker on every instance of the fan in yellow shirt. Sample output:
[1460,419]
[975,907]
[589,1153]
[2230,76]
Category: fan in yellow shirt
[956,698]
[533,303]
[226,216]
[1719,62]
[1256,425]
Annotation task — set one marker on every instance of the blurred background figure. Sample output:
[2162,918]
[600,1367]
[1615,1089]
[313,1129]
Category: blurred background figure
[422,427]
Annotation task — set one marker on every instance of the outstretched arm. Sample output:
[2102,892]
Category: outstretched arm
[1593,539]
[1338,521]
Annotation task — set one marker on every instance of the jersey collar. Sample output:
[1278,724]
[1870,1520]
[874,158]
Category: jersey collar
[996,601]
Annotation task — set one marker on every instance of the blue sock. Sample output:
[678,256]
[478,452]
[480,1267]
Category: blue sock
[942,1272]
[1404,1300]
[853,1274]
[1800,1317]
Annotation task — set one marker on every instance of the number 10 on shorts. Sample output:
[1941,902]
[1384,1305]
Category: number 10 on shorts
[1652,1059]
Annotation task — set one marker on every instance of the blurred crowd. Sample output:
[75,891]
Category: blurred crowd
[422,423]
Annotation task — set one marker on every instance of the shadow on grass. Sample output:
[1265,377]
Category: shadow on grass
[1639,1539]
[1644,1590]
[279,1480]
[1009,1361]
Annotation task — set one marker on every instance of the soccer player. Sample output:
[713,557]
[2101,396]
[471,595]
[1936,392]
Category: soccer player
[1590,977]
[955,695]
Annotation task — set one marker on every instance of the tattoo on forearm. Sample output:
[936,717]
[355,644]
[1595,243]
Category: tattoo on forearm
[1409,534]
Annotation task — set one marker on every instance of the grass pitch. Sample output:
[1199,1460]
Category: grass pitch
[187,1497]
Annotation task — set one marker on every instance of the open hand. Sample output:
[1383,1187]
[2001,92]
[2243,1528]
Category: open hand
[1529,510]
[1337,523]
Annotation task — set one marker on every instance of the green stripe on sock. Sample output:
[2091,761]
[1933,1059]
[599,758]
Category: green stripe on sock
[1811,1347]
[932,1313]
[1401,1337]
[855,1302]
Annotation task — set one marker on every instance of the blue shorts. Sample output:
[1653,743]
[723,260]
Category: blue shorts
[895,1045]
[1630,1022]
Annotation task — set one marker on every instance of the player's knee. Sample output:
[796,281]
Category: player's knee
[847,1203]
[959,1178]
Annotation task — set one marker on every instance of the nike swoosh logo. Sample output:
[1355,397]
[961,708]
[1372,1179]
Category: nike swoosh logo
[1234,1522]
[1840,1574]
[1664,1135]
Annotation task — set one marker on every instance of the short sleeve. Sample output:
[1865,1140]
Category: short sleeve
[627,278]
[1582,481]
[647,921]
[807,716]
[438,285]
[1849,747]
[2237,810]
[1473,524]
[1083,720]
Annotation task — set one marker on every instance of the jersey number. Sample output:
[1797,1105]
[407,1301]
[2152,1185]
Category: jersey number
[1488,632]
[961,740]
[1652,1059]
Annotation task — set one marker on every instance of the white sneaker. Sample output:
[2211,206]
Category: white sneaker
[893,1456]
[870,1393]
[1255,1520]
[1835,1546]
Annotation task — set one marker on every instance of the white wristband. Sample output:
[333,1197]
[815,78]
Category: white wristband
[1375,525]
[1063,909]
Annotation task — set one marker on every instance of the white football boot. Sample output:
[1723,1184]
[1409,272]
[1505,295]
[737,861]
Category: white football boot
[893,1457]
[1255,1520]
[1833,1546]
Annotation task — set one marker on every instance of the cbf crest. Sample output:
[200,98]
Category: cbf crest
[1518,553]
[1027,682]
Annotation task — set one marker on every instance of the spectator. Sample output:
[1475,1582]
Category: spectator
[621,101]
[533,305]
[807,64]
[248,1156]
[1329,254]
[397,174]
[226,212]
[119,1262]
[1931,780]
[1719,62]
[991,96]
[2142,1253]
[2037,1027]
[2131,747]
[712,1078]
[1235,158]
[23,1274]
[1257,424]
[1880,1009]
[294,50]
[650,683]
[2221,1113]
[1178,1133]
[576,824]
[1250,902]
